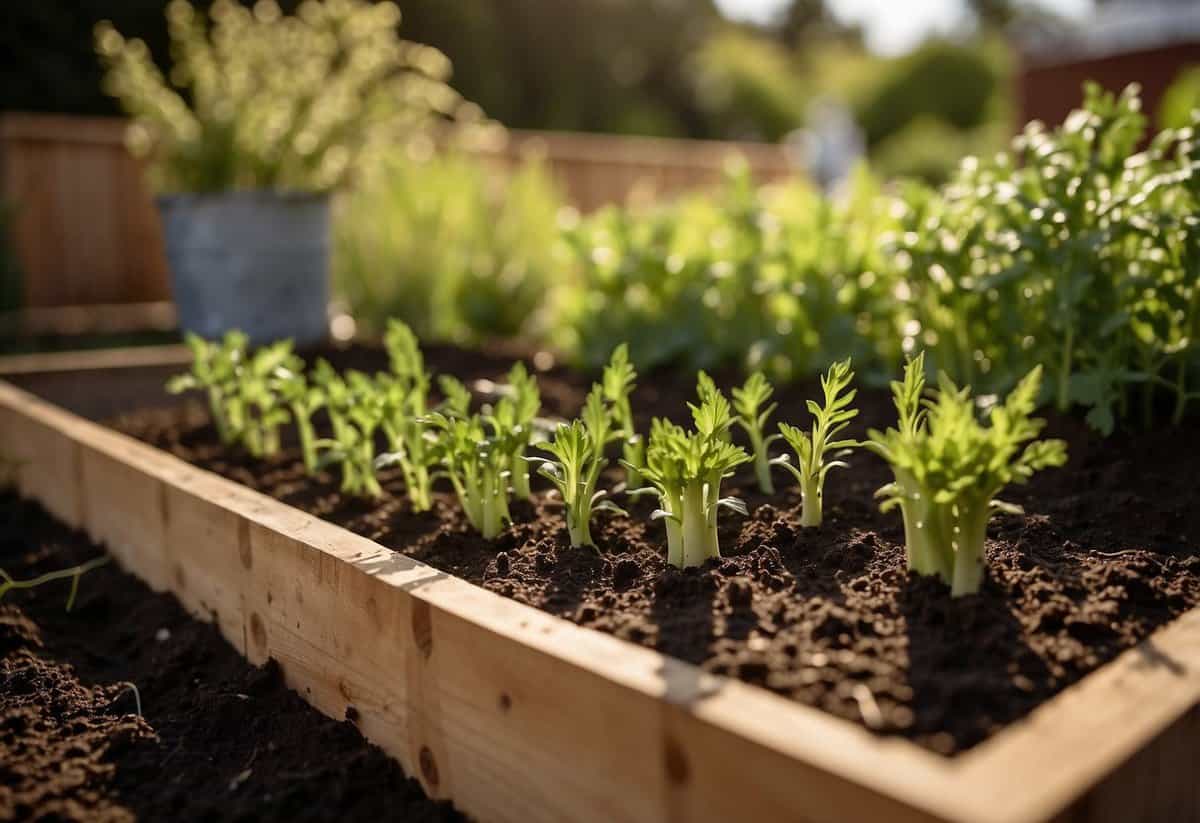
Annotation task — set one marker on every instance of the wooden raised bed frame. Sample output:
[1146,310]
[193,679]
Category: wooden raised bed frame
[516,715]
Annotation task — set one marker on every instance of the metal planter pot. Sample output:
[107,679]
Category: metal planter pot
[251,260]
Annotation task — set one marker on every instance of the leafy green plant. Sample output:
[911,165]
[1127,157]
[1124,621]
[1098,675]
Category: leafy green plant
[949,466]
[258,404]
[777,278]
[456,397]
[266,100]
[578,452]
[813,451]
[214,372]
[452,247]
[685,469]
[748,403]
[356,411]
[512,423]
[303,400]
[617,383]
[405,396]
[477,467]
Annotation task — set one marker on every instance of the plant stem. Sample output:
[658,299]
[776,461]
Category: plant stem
[1064,373]
[308,449]
[578,527]
[694,532]
[970,540]
[520,475]
[762,468]
[7,583]
[1181,395]
[810,501]
[634,454]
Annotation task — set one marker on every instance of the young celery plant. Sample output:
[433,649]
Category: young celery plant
[356,411]
[304,400]
[456,398]
[514,416]
[686,469]
[578,450]
[477,467]
[261,407]
[617,383]
[814,450]
[949,466]
[752,417]
[214,371]
[405,393]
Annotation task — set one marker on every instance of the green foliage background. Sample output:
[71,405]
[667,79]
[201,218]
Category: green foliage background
[620,66]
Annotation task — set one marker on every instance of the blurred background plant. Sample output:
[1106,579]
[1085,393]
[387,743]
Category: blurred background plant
[778,277]
[453,247]
[686,68]
[259,99]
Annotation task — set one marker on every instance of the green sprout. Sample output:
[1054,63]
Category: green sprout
[814,450]
[303,400]
[242,388]
[578,450]
[513,420]
[949,466]
[618,382]
[752,417]
[686,469]
[456,397]
[356,411]
[405,395]
[258,404]
[214,371]
[477,467]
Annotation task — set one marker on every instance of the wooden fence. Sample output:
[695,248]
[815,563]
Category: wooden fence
[85,229]
[83,224]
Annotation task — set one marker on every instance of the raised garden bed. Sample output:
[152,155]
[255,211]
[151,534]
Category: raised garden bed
[217,738]
[516,714]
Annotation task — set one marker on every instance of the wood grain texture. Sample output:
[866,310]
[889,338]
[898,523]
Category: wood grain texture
[85,228]
[517,715]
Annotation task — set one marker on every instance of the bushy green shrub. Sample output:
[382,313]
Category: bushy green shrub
[451,247]
[749,85]
[259,99]
[950,83]
[1181,98]
[778,278]
[1075,250]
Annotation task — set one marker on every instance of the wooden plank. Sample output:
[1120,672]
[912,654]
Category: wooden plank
[135,357]
[85,228]
[1092,729]
[518,715]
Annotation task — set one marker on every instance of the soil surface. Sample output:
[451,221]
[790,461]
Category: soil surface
[218,740]
[1106,553]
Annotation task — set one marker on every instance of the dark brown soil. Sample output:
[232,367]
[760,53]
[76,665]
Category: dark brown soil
[1106,553]
[219,739]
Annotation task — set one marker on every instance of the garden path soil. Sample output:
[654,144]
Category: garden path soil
[220,739]
[1106,553]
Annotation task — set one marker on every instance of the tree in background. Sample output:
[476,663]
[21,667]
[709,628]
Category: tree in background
[658,67]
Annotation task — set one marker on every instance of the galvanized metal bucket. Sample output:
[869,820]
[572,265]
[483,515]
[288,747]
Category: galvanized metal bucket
[254,260]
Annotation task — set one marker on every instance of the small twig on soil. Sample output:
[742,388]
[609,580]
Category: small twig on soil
[867,706]
[7,583]
[137,696]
